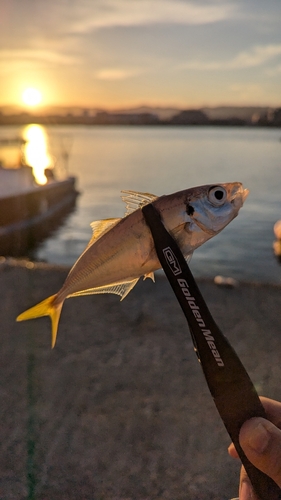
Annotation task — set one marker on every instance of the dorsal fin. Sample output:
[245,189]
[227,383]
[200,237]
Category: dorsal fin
[135,200]
[101,227]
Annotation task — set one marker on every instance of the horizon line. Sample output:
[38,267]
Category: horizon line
[39,107]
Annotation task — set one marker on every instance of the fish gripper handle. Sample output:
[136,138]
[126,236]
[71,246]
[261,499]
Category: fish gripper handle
[230,385]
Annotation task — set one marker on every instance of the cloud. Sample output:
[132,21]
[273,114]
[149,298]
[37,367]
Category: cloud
[246,89]
[202,65]
[256,56]
[246,92]
[112,13]
[11,56]
[116,73]
[42,55]
[274,70]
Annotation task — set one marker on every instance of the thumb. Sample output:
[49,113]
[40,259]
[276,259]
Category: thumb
[261,443]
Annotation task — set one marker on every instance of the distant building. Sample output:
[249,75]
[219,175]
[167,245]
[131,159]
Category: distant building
[276,117]
[253,116]
[270,117]
[190,117]
[104,118]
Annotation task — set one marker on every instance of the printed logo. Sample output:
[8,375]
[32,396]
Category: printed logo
[172,261]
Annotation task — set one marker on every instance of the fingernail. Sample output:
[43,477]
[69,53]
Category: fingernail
[245,491]
[258,438]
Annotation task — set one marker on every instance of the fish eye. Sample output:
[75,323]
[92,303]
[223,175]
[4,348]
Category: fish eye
[217,196]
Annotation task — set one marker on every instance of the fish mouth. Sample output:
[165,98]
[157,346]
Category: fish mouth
[239,195]
[245,194]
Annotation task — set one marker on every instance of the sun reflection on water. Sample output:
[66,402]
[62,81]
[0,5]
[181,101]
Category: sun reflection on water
[36,151]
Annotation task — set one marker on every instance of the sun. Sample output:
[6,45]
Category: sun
[31,96]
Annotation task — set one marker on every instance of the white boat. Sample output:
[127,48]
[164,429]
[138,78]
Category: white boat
[29,212]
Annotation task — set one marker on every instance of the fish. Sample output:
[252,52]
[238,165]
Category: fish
[121,250]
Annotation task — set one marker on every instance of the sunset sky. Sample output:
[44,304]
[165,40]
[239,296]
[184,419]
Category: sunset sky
[121,53]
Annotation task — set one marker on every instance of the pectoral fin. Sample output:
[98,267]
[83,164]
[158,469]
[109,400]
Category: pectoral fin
[178,233]
[121,289]
[188,257]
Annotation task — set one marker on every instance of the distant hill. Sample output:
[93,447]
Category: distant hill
[244,113]
[213,113]
[142,115]
[162,112]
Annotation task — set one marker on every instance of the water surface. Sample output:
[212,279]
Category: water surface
[162,160]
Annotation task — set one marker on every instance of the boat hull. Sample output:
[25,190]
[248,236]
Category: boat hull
[29,217]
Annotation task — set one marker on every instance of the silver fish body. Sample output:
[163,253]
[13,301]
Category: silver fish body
[122,250]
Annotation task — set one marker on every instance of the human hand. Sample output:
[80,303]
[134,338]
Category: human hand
[260,440]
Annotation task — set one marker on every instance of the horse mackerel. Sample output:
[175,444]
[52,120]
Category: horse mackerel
[122,250]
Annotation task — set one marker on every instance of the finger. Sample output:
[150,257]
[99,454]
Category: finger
[273,412]
[246,491]
[232,451]
[261,442]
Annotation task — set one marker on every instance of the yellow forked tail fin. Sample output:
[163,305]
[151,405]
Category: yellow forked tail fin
[45,308]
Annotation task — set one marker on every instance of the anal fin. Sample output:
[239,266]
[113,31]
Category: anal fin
[121,289]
